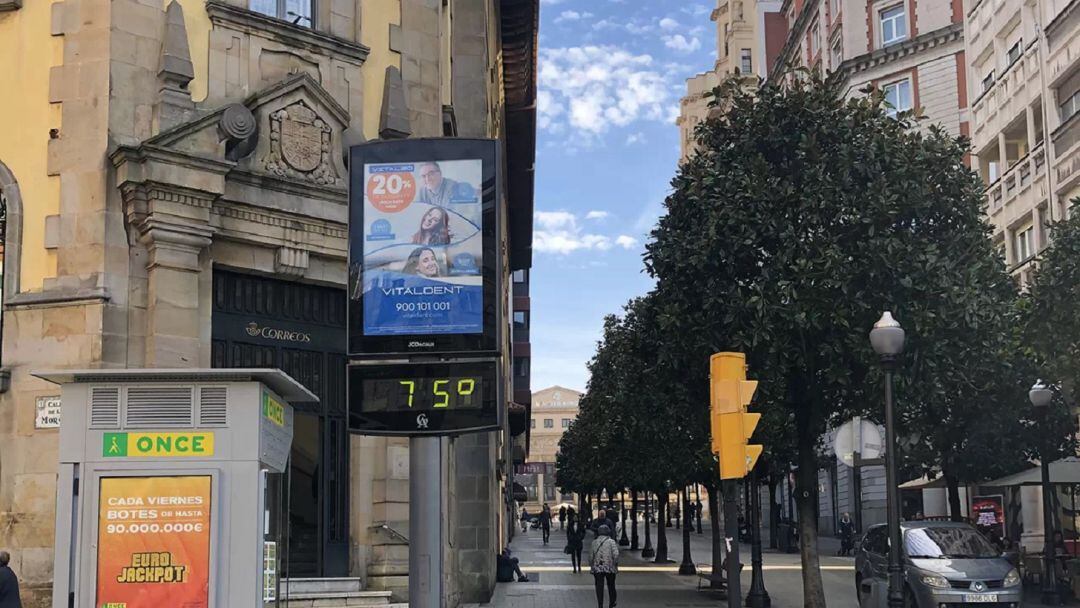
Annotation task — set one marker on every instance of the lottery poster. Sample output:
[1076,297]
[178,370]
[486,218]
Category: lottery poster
[422,268]
[154,542]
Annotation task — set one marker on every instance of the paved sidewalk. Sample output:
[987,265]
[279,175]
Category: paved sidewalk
[643,584]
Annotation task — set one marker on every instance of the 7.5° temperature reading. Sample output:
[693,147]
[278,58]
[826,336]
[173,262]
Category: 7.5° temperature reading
[443,392]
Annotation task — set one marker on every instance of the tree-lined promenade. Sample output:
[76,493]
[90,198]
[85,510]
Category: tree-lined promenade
[800,219]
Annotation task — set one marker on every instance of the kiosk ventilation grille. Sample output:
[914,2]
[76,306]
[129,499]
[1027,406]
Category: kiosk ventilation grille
[159,407]
[212,406]
[104,407]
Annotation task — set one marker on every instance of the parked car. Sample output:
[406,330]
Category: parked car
[945,563]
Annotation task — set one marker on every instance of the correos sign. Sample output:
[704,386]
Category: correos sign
[273,333]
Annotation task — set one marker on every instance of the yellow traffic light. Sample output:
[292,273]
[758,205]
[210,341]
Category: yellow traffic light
[730,393]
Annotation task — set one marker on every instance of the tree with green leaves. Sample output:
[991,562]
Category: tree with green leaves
[802,217]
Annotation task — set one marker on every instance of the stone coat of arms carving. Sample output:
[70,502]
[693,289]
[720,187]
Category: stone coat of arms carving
[300,143]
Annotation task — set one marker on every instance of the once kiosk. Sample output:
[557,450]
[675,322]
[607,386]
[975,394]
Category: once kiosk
[170,486]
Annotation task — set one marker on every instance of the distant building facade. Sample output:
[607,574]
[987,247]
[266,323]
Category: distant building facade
[749,34]
[554,409]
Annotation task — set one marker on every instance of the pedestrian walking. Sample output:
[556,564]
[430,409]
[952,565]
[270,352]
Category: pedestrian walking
[545,522]
[847,534]
[604,565]
[9,584]
[562,517]
[575,543]
[524,520]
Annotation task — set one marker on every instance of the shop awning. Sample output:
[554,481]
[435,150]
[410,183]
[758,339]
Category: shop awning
[1064,471]
[923,483]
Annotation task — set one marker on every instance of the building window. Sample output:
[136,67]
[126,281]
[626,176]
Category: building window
[815,40]
[549,423]
[835,10]
[747,62]
[565,423]
[520,276]
[297,12]
[988,81]
[898,96]
[893,25]
[837,53]
[532,423]
[1070,106]
[1014,53]
[521,367]
[521,319]
[1024,248]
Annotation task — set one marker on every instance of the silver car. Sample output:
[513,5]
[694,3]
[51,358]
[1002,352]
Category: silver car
[945,564]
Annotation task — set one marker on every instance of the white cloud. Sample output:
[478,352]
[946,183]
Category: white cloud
[635,138]
[697,10]
[597,215]
[679,43]
[591,89]
[572,16]
[558,232]
[555,220]
[669,24]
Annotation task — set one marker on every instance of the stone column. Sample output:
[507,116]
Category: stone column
[1032,517]
[173,316]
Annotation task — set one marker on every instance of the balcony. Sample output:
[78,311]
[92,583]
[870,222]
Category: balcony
[1008,97]
[1018,191]
[1066,140]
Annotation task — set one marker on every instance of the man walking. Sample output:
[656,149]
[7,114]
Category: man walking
[562,517]
[9,584]
[545,522]
[847,534]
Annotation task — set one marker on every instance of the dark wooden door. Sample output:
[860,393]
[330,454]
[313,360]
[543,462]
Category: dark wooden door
[300,329]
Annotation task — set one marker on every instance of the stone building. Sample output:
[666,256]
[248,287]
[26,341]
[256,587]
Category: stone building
[749,34]
[174,181]
[553,410]
[1024,76]
[912,50]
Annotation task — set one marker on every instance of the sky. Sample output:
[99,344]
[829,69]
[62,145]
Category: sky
[611,73]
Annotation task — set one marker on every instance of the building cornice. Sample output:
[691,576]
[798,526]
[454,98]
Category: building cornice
[1062,17]
[10,5]
[286,33]
[894,52]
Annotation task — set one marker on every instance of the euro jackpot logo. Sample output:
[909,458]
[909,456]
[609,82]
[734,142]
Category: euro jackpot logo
[154,542]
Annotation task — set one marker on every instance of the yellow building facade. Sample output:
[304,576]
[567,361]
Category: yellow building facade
[173,173]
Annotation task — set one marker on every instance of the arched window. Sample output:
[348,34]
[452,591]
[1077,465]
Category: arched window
[10,242]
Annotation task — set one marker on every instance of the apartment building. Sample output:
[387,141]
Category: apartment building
[1023,60]
[913,50]
[749,34]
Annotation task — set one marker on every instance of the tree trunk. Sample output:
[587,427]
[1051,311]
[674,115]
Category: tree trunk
[717,534]
[806,499]
[623,540]
[774,513]
[661,533]
[647,550]
[633,521]
[953,484]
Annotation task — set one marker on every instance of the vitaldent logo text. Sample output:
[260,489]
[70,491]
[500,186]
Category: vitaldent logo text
[423,291]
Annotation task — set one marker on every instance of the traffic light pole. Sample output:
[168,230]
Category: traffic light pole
[731,525]
[758,597]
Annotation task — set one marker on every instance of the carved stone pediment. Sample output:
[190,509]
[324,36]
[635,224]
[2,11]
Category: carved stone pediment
[296,138]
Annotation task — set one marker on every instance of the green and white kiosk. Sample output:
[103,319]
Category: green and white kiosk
[170,489]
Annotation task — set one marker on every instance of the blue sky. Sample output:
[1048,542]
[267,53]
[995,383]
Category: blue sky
[611,75]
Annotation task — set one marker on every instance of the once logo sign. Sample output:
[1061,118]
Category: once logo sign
[273,410]
[271,333]
[157,445]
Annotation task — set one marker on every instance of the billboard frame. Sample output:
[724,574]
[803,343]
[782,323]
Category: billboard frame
[485,343]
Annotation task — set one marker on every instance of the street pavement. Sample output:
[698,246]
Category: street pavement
[644,584]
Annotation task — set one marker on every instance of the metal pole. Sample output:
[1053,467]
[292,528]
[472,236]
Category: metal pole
[687,566]
[856,482]
[731,525]
[1049,586]
[758,597]
[896,590]
[425,522]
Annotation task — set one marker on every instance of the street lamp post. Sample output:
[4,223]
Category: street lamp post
[1041,396]
[887,338]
